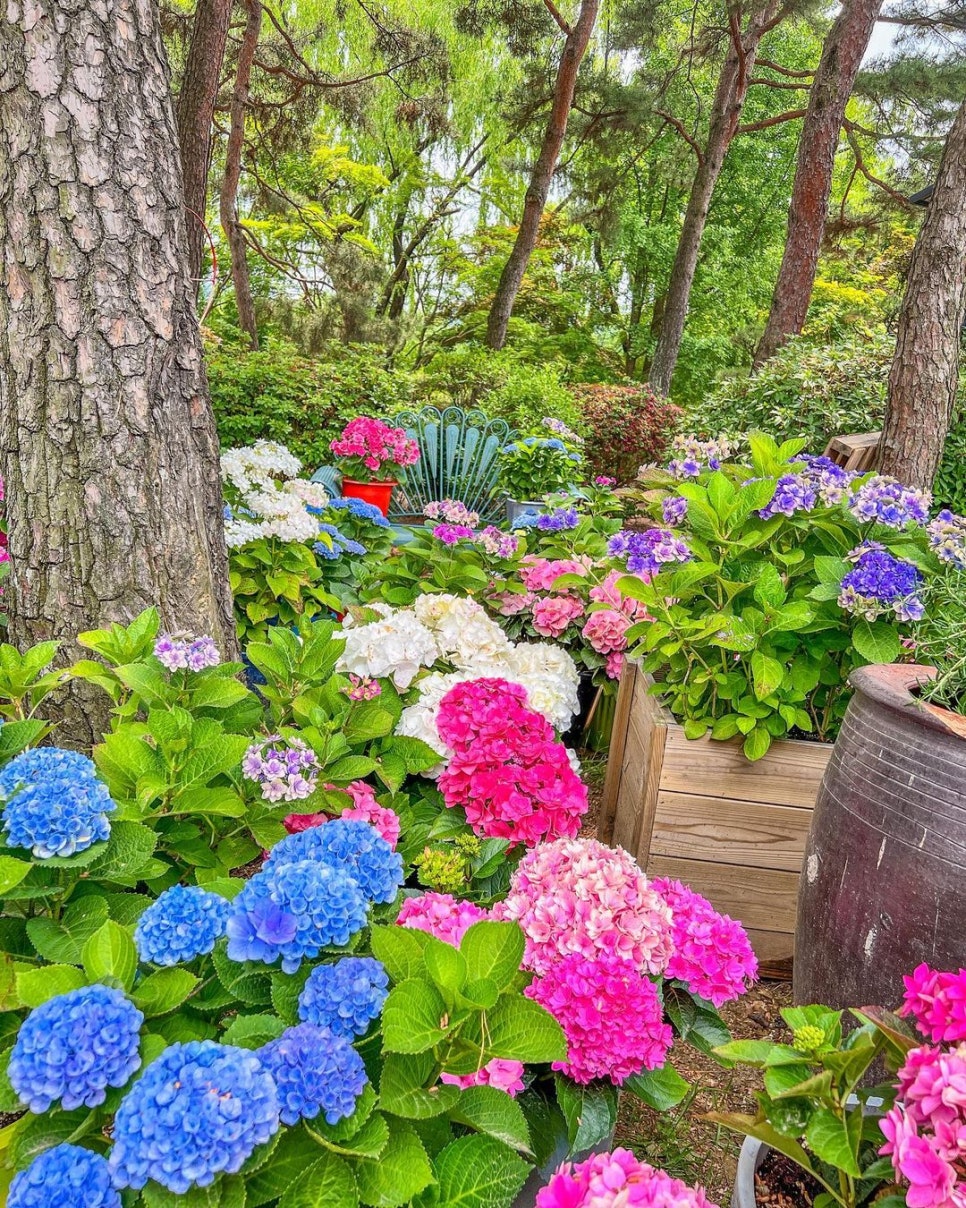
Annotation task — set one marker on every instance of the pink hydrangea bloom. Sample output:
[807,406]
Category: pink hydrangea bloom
[294,823]
[712,954]
[539,574]
[606,630]
[375,444]
[553,614]
[932,1086]
[365,808]
[937,1001]
[363,688]
[508,772]
[931,1177]
[611,1014]
[614,665]
[500,1073]
[579,896]
[606,593]
[510,603]
[617,1180]
[441,915]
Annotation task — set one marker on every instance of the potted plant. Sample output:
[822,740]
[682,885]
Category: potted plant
[770,582]
[856,1144]
[889,823]
[364,451]
[537,465]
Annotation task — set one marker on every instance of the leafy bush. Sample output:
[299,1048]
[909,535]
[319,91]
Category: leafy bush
[949,488]
[279,395]
[626,426]
[804,391]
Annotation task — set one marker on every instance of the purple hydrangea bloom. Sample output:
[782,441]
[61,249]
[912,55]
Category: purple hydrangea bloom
[314,1071]
[293,910]
[832,482]
[793,493]
[947,538]
[648,552]
[881,583]
[71,1048]
[498,543]
[199,1110]
[54,803]
[345,997]
[558,520]
[184,922]
[181,652]
[883,500]
[286,770]
[452,534]
[348,845]
[66,1176]
[674,508]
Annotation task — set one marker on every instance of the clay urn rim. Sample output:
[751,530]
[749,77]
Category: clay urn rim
[894,686]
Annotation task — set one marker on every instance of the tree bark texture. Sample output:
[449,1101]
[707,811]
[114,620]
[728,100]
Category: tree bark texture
[729,100]
[196,109]
[230,222]
[842,54]
[538,189]
[923,380]
[107,439]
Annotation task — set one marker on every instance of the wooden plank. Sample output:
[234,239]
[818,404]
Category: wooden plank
[789,774]
[730,832]
[615,756]
[772,947]
[762,898]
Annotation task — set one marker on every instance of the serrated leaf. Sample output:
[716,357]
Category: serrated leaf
[479,1172]
[163,991]
[294,1152]
[36,986]
[63,941]
[492,1111]
[406,1089]
[876,641]
[493,950]
[12,872]
[767,674]
[110,955]
[413,1018]
[328,1183]
[400,949]
[834,1140]
[661,1089]
[253,1031]
[590,1112]
[401,1171]
[128,850]
[519,1029]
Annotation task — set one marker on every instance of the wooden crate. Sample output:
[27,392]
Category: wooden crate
[699,811]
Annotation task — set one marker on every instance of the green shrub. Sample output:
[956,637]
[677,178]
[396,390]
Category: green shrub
[277,394]
[805,390]
[949,488]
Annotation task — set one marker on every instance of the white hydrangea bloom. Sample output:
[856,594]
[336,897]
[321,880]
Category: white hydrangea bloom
[395,648]
[264,507]
[465,633]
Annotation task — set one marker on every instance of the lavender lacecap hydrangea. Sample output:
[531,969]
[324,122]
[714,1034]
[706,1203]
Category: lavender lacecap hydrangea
[198,1111]
[292,910]
[650,551]
[65,1176]
[184,922]
[947,538]
[54,803]
[879,583]
[350,846]
[793,493]
[346,996]
[886,501]
[70,1049]
[285,770]
[181,652]
[558,520]
[314,1071]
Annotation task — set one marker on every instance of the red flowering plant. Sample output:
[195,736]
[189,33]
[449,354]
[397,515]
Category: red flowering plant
[900,1143]
[369,450]
[627,427]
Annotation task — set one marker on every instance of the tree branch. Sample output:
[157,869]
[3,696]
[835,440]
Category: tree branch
[785,71]
[679,127]
[558,17]
[790,116]
[874,180]
[779,83]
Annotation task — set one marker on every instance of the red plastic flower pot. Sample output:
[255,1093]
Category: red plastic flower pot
[376,493]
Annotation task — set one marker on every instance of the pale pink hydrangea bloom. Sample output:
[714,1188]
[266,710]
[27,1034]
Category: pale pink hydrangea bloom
[579,896]
[611,1014]
[441,915]
[614,665]
[606,630]
[553,614]
[711,954]
[937,1001]
[365,808]
[539,574]
[510,603]
[500,1073]
[617,1180]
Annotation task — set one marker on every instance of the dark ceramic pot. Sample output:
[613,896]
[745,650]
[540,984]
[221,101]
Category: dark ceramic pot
[883,884]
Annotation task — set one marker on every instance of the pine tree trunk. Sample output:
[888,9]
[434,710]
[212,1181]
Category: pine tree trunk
[538,189]
[107,440]
[842,54]
[925,372]
[230,222]
[729,100]
[196,109]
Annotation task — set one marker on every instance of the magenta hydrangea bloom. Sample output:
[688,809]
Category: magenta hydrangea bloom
[502,1074]
[611,1014]
[618,1180]
[711,952]
[937,1002]
[579,896]
[441,915]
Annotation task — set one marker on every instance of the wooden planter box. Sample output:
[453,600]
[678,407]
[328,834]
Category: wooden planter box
[700,812]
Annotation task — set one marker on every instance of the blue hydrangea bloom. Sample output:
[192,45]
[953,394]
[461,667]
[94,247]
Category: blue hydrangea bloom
[293,910]
[66,1176]
[184,922]
[527,520]
[351,846]
[554,443]
[345,997]
[199,1110]
[881,583]
[73,1047]
[314,1071]
[55,805]
[361,510]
